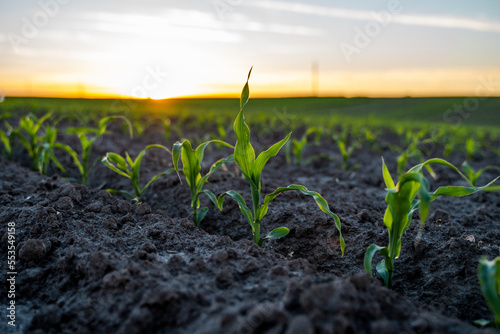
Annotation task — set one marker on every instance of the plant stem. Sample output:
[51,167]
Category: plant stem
[195,216]
[256,223]
[256,235]
[389,281]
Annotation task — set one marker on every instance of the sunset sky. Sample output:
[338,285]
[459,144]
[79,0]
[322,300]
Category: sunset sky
[164,48]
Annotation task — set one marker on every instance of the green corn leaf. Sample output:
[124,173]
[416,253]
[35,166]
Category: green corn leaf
[383,272]
[86,145]
[54,159]
[492,188]
[23,141]
[201,214]
[456,191]
[320,201]
[438,161]
[6,142]
[369,254]
[245,93]
[215,167]
[201,148]
[400,204]
[129,160]
[210,195]
[191,166]
[259,164]
[342,148]
[78,131]
[389,183]
[121,165]
[279,232]
[424,204]
[104,122]
[469,172]
[489,279]
[247,213]
[43,119]
[128,193]
[136,165]
[402,162]
[156,177]
[176,153]
[244,152]
[72,153]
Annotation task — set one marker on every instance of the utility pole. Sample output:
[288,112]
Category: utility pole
[314,78]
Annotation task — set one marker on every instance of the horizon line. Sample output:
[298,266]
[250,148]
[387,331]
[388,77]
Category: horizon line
[223,96]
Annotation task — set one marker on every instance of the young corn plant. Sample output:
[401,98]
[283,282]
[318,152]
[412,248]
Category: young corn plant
[298,146]
[167,128]
[346,153]
[221,134]
[489,280]
[402,203]
[191,168]
[252,168]
[7,139]
[130,169]
[472,174]
[46,151]
[471,149]
[88,136]
[39,141]
[346,149]
[413,151]
[370,137]
[28,133]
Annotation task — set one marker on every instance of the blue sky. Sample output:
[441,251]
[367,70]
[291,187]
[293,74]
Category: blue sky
[170,48]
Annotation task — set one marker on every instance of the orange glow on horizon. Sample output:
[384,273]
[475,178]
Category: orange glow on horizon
[394,83]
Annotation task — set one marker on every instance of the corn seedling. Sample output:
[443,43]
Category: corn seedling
[370,137]
[298,146]
[472,174]
[221,135]
[167,129]
[346,153]
[252,168]
[88,137]
[402,203]
[413,151]
[28,133]
[130,169]
[7,140]
[471,149]
[40,147]
[191,168]
[489,280]
[46,150]
[5,137]
[346,149]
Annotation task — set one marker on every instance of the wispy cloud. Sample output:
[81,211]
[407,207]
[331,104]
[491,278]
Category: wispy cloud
[439,21]
[187,25]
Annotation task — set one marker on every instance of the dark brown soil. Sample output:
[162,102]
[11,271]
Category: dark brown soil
[91,262]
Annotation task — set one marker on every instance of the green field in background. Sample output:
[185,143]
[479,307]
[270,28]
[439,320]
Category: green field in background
[451,111]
